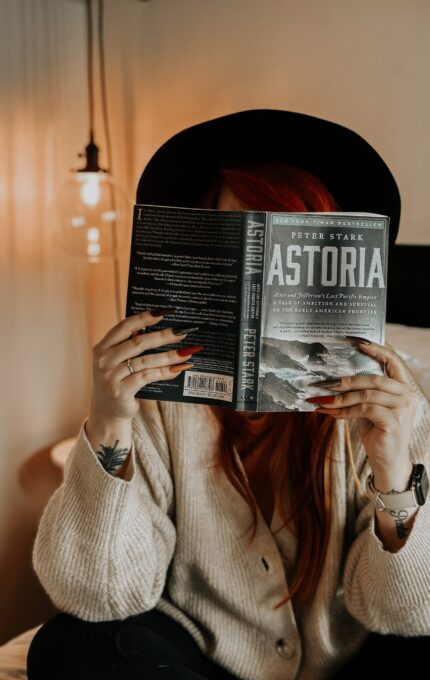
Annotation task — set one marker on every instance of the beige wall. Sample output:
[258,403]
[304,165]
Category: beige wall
[171,63]
[363,64]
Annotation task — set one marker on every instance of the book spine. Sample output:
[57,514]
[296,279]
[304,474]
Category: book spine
[250,313]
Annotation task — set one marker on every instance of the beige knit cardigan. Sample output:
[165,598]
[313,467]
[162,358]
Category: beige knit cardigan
[176,537]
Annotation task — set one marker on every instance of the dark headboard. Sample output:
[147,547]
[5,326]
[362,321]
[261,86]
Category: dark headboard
[408,300]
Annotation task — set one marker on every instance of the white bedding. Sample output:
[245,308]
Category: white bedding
[13,656]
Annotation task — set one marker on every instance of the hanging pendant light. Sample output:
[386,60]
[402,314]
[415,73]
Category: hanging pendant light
[93,212]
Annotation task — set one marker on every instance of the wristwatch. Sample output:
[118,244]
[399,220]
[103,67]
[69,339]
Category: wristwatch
[411,498]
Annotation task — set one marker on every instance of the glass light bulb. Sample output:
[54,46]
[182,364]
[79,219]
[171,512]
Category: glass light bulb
[93,216]
[90,188]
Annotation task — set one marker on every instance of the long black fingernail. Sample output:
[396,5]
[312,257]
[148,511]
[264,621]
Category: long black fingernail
[162,311]
[355,338]
[182,330]
[332,382]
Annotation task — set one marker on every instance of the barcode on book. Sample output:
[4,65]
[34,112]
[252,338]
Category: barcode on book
[209,385]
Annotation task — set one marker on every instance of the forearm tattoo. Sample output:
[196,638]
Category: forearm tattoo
[400,517]
[112,458]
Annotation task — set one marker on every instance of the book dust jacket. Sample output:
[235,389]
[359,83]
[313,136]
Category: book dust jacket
[273,296]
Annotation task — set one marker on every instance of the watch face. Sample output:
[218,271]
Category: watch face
[421,483]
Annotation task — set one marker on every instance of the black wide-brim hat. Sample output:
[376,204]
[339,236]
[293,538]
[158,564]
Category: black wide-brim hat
[183,167]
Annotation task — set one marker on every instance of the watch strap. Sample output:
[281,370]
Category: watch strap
[390,501]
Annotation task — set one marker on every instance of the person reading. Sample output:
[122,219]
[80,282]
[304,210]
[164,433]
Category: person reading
[193,542]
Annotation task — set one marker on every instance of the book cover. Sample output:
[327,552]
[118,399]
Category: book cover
[325,278]
[273,296]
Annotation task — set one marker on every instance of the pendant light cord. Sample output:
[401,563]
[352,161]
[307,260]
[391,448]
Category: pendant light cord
[103,88]
[103,84]
[90,67]
[116,263]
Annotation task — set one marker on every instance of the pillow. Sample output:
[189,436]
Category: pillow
[413,345]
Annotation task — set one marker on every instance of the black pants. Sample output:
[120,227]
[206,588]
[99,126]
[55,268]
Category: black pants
[152,646]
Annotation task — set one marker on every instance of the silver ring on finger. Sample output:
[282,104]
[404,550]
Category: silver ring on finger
[129,366]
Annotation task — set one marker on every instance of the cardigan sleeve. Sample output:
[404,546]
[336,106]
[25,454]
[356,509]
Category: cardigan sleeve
[104,544]
[389,593]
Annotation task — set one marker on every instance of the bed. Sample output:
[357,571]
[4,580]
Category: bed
[13,656]
[407,330]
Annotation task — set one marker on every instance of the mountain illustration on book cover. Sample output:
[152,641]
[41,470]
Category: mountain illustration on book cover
[289,367]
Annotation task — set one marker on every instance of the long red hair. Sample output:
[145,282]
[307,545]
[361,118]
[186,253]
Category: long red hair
[299,467]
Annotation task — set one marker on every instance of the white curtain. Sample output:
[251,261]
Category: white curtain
[53,309]
[43,341]
[44,365]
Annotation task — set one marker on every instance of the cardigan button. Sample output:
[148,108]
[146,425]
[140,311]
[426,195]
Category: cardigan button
[285,648]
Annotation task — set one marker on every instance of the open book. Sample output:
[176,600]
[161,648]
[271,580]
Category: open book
[273,296]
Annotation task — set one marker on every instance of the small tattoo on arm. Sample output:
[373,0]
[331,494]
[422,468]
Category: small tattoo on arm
[400,516]
[112,458]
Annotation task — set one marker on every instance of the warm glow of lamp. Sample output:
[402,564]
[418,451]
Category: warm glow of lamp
[93,213]
[90,188]
[93,216]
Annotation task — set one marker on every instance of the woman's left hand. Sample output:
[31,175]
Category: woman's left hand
[384,406]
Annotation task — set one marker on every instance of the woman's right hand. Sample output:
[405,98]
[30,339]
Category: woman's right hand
[114,385]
